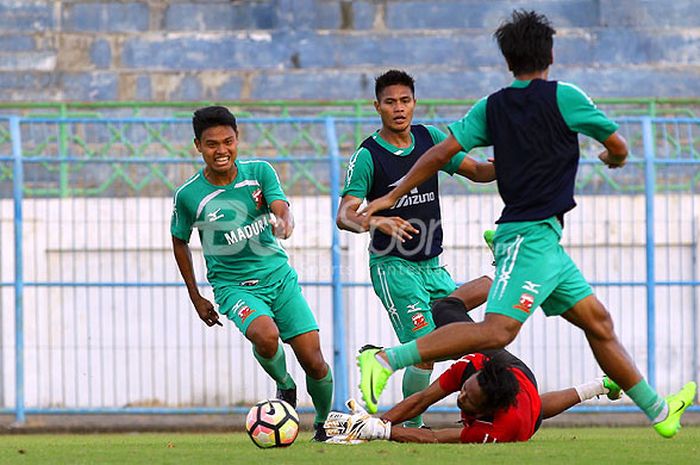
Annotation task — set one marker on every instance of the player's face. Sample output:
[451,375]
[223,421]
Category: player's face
[219,148]
[471,397]
[395,107]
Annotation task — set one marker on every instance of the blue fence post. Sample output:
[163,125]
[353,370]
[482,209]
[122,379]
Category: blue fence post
[17,184]
[340,355]
[649,195]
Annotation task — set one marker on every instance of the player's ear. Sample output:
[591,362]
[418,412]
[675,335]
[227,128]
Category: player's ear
[376,106]
[197,144]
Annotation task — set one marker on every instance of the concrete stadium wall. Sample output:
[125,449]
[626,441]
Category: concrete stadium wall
[77,50]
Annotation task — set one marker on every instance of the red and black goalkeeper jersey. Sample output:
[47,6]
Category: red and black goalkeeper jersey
[517,423]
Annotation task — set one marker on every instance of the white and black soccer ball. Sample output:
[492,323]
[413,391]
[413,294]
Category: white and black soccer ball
[272,423]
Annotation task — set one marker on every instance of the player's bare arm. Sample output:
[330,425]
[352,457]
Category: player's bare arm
[477,171]
[415,404]
[615,153]
[426,436]
[429,164]
[348,219]
[284,221]
[183,258]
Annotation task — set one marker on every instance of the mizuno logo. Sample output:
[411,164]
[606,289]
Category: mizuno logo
[213,216]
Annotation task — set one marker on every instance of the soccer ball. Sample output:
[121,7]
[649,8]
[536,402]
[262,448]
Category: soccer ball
[272,423]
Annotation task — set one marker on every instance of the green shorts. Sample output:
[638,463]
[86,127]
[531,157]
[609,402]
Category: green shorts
[407,290]
[280,300]
[533,270]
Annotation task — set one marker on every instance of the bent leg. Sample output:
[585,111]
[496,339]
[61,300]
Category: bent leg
[473,293]
[264,336]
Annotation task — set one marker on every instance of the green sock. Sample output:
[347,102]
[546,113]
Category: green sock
[647,399]
[276,367]
[414,380]
[403,356]
[321,392]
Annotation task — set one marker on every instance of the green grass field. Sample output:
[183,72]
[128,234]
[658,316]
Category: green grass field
[595,446]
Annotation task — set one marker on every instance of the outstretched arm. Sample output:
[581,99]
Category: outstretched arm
[477,171]
[426,166]
[415,404]
[421,435]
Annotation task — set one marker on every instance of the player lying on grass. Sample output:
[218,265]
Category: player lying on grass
[498,398]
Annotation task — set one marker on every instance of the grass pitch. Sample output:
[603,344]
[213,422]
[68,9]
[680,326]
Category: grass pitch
[595,446]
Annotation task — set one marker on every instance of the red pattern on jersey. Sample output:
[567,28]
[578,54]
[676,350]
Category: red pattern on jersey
[510,425]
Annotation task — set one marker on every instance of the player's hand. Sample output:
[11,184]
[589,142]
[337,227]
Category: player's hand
[358,425]
[281,228]
[206,312]
[376,205]
[610,161]
[393,226]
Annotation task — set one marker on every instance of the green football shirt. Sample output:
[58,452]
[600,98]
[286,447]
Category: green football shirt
[234,224]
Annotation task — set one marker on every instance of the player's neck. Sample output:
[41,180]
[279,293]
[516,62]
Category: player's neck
[221,179]
[544,74]
[400,140]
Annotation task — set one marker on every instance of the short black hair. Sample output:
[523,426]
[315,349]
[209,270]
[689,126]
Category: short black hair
[391,78]
[209,117]
[526,42]
[499,384]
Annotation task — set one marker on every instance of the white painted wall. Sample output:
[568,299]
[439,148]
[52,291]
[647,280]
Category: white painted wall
[119,346]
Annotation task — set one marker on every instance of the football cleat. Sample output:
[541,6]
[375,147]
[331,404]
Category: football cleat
[319,433]
[288,395]
[373,376]
[677,404]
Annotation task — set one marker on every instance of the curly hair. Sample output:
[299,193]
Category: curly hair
[499,384]
[526,42]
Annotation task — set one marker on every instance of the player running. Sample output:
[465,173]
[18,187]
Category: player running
[533,126]
[406,239]
[240,211]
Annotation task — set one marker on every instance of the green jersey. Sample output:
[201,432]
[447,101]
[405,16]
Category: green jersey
[234,224]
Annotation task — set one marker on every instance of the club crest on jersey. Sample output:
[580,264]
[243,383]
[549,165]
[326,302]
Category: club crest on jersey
[525,303]
[418,321]
[244,312]
[258,198]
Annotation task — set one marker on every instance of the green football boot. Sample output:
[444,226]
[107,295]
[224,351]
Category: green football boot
[612,390]
[677,403]
[373,376]
[488,238]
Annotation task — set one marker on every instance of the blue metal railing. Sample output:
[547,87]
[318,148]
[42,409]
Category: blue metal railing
[335,284]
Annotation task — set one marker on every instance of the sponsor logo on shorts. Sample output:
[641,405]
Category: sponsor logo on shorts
[419,321]
[412,308]
[245,312]
[525,303]
[529,286]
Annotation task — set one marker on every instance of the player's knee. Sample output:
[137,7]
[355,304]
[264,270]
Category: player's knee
[265,340]
[499,335]
[449,310]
